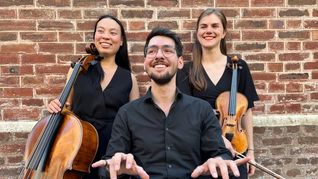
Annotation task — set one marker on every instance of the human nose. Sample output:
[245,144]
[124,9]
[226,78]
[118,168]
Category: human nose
[159,53]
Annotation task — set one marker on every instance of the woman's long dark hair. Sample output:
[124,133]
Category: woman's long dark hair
[122,58]
[197,78]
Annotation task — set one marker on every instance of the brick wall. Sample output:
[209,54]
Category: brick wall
[278,39]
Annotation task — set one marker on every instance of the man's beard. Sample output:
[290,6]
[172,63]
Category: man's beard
[162,80]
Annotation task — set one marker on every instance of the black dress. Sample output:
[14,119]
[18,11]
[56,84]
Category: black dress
[99,107]
[245,86]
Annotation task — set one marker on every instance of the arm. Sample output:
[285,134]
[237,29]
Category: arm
[247,124]
[213,146]
[134,93]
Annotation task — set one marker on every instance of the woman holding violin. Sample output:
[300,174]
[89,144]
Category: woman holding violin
[106,86]
[210,73]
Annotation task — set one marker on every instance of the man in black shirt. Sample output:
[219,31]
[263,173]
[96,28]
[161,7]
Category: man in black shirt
[166,134]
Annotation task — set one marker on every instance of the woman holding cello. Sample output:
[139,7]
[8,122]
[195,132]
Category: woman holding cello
[106,86]
[210,73]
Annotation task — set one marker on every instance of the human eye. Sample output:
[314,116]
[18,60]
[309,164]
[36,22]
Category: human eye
[113,32]
[152,51]
[168,50]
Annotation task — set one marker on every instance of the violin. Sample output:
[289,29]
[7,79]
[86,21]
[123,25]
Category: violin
[62,145]
[231,106]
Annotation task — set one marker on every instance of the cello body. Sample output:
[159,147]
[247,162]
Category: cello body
[72,151]
[61,145]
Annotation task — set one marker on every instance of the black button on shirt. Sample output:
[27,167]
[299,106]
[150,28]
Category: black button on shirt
[167,146]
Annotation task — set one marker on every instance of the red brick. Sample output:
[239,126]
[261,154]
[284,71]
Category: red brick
[189,25]
[264,76]
[37,58]
[136,25]
[294,87]
[54,48]
[275,67]
[21,114]
[55,25]
[37,14]
[85,25]
[293,45]
[173,25]
[294,24]
[164,14]
[16,3]
[293,13]
[301,2]
[292,66]
[258,13]
[17,70]
[9,36]
[315,34]
[54,69]
[250,46]
[229,3]
[8,14]
[33,102]
[258,35]
[251,24]
[203,3]
[291,98]
[8,103]
[294,35]
[294,76]
[39,36]
[136,48]
[96,13]
[136,36]
[293,108]
[276,24]
[9,81]
[125,3]
[18,48]
[164,3]
[293,56]
[275,87]
[276,46]
[55,91]
[311,65]
[59,3]
[267,3]
[310,46]
[71,37]
[69,14]
[9,59]
[314,96]
[17,25]
[147,14]
[17,92]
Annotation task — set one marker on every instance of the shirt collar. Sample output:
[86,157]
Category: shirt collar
[148,95]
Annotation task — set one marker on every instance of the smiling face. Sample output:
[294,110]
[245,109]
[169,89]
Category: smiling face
[210,31]
[161,61]
[108,37]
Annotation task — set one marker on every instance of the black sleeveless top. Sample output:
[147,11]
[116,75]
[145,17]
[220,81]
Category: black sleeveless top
[99,107]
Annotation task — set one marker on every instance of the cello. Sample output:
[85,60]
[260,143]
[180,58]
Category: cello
[231,106]
[62,145]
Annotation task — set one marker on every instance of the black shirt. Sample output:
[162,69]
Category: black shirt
[245,83]
[167,146]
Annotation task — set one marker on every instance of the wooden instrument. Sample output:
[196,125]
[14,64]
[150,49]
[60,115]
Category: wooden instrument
[231,107]
[61,145]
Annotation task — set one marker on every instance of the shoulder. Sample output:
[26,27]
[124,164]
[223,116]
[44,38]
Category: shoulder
[195,102]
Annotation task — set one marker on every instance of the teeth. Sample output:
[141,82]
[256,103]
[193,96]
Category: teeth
[160,66]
